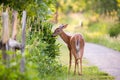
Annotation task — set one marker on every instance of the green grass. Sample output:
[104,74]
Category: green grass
[90,72]
[106,41]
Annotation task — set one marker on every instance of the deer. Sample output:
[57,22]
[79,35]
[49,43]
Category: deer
[75,46]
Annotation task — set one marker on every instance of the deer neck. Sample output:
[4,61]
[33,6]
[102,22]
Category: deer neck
[65,37]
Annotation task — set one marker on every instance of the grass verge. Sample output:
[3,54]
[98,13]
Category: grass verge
[90,72]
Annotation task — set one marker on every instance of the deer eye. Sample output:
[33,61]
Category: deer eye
[58,30]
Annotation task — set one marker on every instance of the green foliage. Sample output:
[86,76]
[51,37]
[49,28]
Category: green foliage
[41,49]
[35,8]
[46,50]
[52,50]
[11,71]
[103,6]
[42,35]
[114,31]
[97,27]
[106,7]
[67,6]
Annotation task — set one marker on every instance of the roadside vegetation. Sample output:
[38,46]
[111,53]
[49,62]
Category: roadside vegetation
[40,48]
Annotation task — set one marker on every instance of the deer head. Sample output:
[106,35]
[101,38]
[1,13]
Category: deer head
[59,30]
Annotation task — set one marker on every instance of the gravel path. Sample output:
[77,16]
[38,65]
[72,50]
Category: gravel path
[104,58]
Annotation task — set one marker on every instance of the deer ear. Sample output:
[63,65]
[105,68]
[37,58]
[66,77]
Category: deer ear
[64,26]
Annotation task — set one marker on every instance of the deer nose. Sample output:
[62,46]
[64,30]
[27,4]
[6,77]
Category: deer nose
[53,35]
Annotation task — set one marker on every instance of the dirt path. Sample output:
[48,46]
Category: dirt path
[104,58]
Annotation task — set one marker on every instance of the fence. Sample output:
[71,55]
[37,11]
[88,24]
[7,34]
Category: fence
[10,43]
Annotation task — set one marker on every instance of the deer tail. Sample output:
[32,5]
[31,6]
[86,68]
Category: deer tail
[77,46]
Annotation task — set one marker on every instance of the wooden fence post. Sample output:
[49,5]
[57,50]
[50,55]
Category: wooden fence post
[14,24]
[13,44]
[5,37]
[23,41]
[5,33]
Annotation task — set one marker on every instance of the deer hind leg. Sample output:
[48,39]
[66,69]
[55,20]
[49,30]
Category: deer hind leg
[75,66]
[81,55]
[76,60]
[80,66]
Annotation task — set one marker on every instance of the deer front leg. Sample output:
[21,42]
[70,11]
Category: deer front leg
[77,65]
[70,61]
[76,60]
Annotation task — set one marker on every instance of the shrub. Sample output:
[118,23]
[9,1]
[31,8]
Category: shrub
[114,30]
[43,49]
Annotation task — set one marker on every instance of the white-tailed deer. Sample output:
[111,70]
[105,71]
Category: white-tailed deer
[75,45]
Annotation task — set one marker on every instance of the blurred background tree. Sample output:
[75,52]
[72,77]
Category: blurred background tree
[99,18]
[101,7]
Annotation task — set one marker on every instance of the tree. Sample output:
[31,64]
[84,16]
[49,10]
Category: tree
[104,6]
[67,6]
